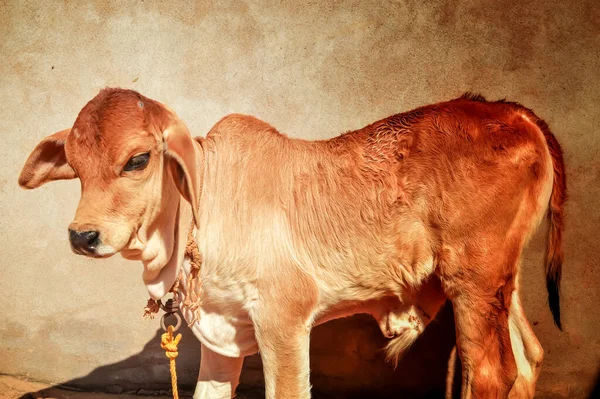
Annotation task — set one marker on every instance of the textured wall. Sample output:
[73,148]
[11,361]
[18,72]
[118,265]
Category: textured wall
[312,71]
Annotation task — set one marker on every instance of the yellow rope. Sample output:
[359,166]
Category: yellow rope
[168,343]
[170,346]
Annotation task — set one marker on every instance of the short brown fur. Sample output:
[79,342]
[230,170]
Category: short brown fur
[392,220]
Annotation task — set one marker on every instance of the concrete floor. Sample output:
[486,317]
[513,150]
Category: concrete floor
[12,387]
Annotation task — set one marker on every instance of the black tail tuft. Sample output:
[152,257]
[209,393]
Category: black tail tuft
[552,285]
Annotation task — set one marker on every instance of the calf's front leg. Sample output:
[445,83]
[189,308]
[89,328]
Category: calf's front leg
[284,349]
[219,375]
[282,321]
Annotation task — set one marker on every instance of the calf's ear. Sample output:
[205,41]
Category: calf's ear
[47,162]
[180,155]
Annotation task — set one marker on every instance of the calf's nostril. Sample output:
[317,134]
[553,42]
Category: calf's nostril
[83,240]
[92,238]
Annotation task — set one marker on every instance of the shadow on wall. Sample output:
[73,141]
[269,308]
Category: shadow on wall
[347,361]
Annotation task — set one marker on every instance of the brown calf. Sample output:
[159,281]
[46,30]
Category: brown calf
[392,220]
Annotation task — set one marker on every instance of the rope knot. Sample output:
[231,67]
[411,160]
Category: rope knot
[169,344]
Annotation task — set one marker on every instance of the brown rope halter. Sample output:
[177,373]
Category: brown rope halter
[193,286]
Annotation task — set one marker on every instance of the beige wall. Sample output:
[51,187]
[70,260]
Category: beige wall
[312,71]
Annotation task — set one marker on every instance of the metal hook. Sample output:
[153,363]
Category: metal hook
[170,306]
[171,309]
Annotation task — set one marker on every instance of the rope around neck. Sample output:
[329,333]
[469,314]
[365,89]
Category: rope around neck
[193,283]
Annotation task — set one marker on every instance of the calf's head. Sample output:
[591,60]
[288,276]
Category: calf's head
[134,158]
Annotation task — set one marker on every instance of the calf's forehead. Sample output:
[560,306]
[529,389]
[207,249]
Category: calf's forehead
[106,136]
[110,147]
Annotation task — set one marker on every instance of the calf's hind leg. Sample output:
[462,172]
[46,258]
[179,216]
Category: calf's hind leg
[481,300]
[526,348]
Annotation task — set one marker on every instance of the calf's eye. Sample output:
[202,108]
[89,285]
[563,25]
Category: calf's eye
[137,162]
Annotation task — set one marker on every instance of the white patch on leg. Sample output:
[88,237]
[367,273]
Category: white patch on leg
[525,369]
[524,346]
